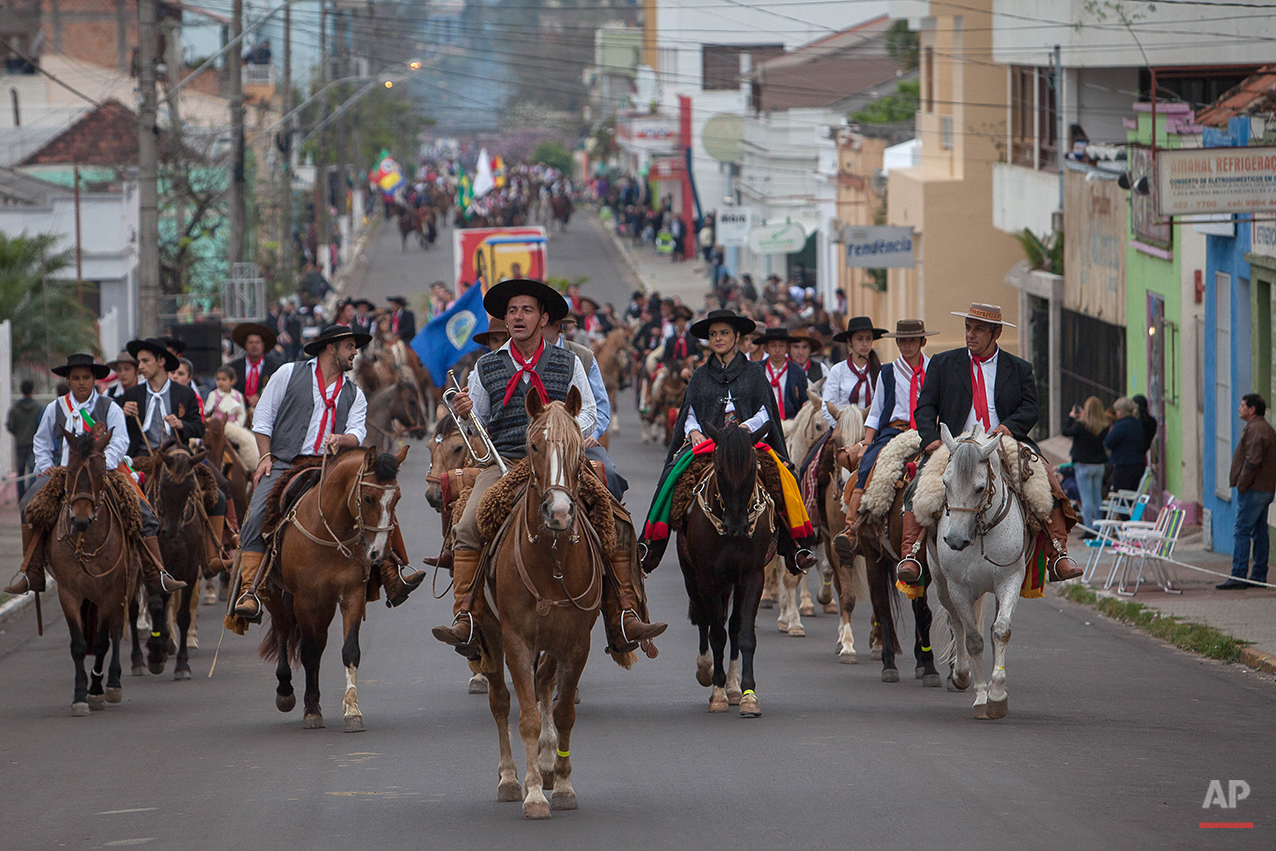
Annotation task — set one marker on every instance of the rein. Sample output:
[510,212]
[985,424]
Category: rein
[983,523]
[760,498]
[360,527]
[65,526]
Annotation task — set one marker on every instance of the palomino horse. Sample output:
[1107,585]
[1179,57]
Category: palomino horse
[396,404]
[88,555]
[546,583]
[323,551]
[980,508]
[729,537]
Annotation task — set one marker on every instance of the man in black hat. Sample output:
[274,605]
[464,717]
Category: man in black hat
[402,320]
[788,383]
[76,412]
[157,408]
[497,388]
[681,345]
[362,320]
[594,451]
[851,381]
[259,361]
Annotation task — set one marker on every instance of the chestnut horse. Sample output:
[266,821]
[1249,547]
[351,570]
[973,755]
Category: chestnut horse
[729,537]
[324,550]
[546,583]
[88,555]
[399,403]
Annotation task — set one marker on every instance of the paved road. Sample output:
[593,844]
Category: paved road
[1112,740]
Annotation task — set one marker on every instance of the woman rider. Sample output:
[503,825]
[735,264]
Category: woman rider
[727,388]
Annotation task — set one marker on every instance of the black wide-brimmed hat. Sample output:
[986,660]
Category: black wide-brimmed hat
[398,299]
[742,324]
[774,335]
[683,311]
[157,348]
[332,334]
[100,370]
[355,302]
[174,345]
[497,299]
[244,329]
[855,324]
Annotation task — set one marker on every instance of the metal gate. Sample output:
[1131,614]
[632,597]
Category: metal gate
[1093,360]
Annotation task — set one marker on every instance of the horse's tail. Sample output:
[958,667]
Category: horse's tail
[941,624]
[268,650]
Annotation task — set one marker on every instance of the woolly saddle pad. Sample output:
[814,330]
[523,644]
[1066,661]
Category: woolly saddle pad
[1034,489]
[499,501]
[43,509]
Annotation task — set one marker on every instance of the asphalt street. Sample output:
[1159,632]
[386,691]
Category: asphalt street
[1112,739]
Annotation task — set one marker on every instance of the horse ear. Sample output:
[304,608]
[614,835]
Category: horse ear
[198,456]
[67,434]
[978,432]
[833,409]
[574,402]
[815,398]
[105,437]
[947,436]
[985,451]
[403,453]
[533,403]
[440,412]
[711,431]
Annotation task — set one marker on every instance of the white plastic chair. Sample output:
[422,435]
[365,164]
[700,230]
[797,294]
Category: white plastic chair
[1122,502]
[1108,529]
[1155,545]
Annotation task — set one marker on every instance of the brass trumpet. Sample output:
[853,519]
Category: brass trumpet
[490,455]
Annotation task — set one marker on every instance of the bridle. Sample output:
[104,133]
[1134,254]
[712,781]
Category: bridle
[361,528]
[67,526]
[983,522]
[760,499]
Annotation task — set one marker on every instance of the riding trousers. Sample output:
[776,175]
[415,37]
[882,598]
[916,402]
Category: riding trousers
[616,483]
[150,523]
[466,532]
[250,530]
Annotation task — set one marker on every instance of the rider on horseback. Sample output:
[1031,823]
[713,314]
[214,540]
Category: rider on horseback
[495,393]
[307,409]
[850,382]
[981,384]
[77,412]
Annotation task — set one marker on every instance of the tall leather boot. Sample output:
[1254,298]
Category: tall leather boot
[153,574]
[463,633]
[912,540]
[248,605]
[30,576]
[651,552]
[847,541]
[213,561]
[625,628]
[398,579]
[1062,567]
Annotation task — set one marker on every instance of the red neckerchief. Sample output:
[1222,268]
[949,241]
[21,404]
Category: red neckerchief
[253,378]
[775,379]
[527,367]
[979,390]
[329,405]
[862,379]
[914,387]
[680,346]
[394,322]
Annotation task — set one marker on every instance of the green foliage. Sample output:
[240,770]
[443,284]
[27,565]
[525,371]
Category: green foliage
[1195,637]
[894,108]
[561,284]
[1044,254]
[48,322]
[553,154]
[902,44]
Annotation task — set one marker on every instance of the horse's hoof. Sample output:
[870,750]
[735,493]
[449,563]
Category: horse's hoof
[155,666]
[825,596]
[766,603]
[139,670]
[184,674]
[979,712]
[890,675]
[354,724]
[114,695]
[807,610]
[704,671]
[312,722]
[79,710]
[718,700]
[478,684]
[919,672]
[950,685]
[536,809]
[209,598]
[734,697]
[97,702]
[797,631]
[563,801]
[286,702]
[830,608]
[876,654]
[192,642]
[848,657]
[750,707]
[930,681]
[509,792]
[998,708]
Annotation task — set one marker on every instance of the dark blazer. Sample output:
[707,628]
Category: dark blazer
[795,385]
[407,325]
[947,397]
[270,363]
[183,399]
[693,347]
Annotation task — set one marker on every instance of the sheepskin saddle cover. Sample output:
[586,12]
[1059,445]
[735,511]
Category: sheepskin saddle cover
[43,509]
[1033,488]
[499,501]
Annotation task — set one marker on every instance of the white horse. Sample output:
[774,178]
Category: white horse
[979,549]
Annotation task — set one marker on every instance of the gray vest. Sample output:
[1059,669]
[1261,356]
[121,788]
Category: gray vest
[507,424]
[585,353]
[292,417]
[98,413]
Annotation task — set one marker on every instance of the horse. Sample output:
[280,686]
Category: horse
[232,475]
[667,392]
[545,580]
[322,554]
[410,223]
[729,537]
[615,357]
[979,508]
[88,555]
[561,206]
[396,404]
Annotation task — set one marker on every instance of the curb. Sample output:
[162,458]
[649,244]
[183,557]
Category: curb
[12,608]
[1258,660]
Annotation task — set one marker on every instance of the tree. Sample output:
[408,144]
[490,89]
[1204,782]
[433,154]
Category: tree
[894,108]
[553,154]
[902,44]
[48,322]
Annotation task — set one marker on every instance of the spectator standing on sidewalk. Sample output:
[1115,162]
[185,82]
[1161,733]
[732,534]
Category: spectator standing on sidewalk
[1087,426]
[1254,477]
[23,422]
[1125,446]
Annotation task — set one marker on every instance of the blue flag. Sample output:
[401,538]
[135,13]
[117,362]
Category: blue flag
[445,339]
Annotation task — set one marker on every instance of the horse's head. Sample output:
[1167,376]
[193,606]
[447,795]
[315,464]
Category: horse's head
[175,486]
[557,450]
[377,493]
[735,466]
[449,450]
[409,410]
[85,472]
[968,480]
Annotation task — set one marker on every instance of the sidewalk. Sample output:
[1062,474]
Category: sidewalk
[10,560]
[688,280]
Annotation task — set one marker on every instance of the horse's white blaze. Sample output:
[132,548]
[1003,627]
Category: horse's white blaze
[381,540]
[350,700]
[560,504]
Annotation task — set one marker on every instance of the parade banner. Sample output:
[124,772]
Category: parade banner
[1216,180]
[516,253]
[446,338]
[879,247]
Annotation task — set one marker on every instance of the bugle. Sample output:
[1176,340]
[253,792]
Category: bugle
[490,455]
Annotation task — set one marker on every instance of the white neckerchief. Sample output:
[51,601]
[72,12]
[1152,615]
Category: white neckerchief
[155,399]
[74,409]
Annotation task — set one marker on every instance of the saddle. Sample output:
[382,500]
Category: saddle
[46,506]
[293,484]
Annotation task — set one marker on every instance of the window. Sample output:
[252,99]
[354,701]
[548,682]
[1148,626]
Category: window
[946,132]
[720,63]
[1034,117]
[928,73]
[1222,384]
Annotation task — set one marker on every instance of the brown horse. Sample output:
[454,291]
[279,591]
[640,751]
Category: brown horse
[615,358]
[730,536]
[393,407]
[88,555]
[324,550]
[546,582]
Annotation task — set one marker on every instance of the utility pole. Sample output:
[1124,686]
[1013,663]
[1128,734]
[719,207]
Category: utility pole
[148,272]
[321,155]
[343,128]
[234,64]
[173,61]
[286,252]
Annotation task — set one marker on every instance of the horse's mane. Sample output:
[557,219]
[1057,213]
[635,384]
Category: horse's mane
[560,428]
[445,427]
[385,467]
[964,460]
[82,445]
[850,425]
[734,456]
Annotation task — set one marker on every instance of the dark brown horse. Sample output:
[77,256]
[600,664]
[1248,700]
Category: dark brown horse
[396,406]
[729,537]
[325,549]
[546,580]
[89,556]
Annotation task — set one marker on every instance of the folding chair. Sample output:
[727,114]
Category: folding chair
[1155,545]
[1122,502]
[1107,529]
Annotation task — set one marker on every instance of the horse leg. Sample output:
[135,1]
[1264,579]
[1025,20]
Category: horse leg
[805,607]
[137,659]
[878,572]
[965,615]
[844,590]
[922,649]
[498,700]
[182,668]
[791,585]
[1007,597]
[157,643]
[192,637]
[114,692]
[101,645]
[825,595]
[769,585]
[718,642]
[746,638]
[352,607]
[547,742]
[313,640]
[519,657]
[569,672]
[71,610]
[704,662]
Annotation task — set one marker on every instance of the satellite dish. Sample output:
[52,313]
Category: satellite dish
[722,135]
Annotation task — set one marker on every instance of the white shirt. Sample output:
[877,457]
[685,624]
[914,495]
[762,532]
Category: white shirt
[838,387]
[273,394]
[903,396]
[989,368]
[43,442]
[587,418]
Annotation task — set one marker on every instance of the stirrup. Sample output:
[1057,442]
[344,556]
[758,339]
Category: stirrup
[642,551]
[905,560]
[804,553]
[249,595]
[169,583]
[1053,572]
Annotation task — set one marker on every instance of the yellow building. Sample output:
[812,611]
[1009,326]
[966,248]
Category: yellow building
[947,199]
